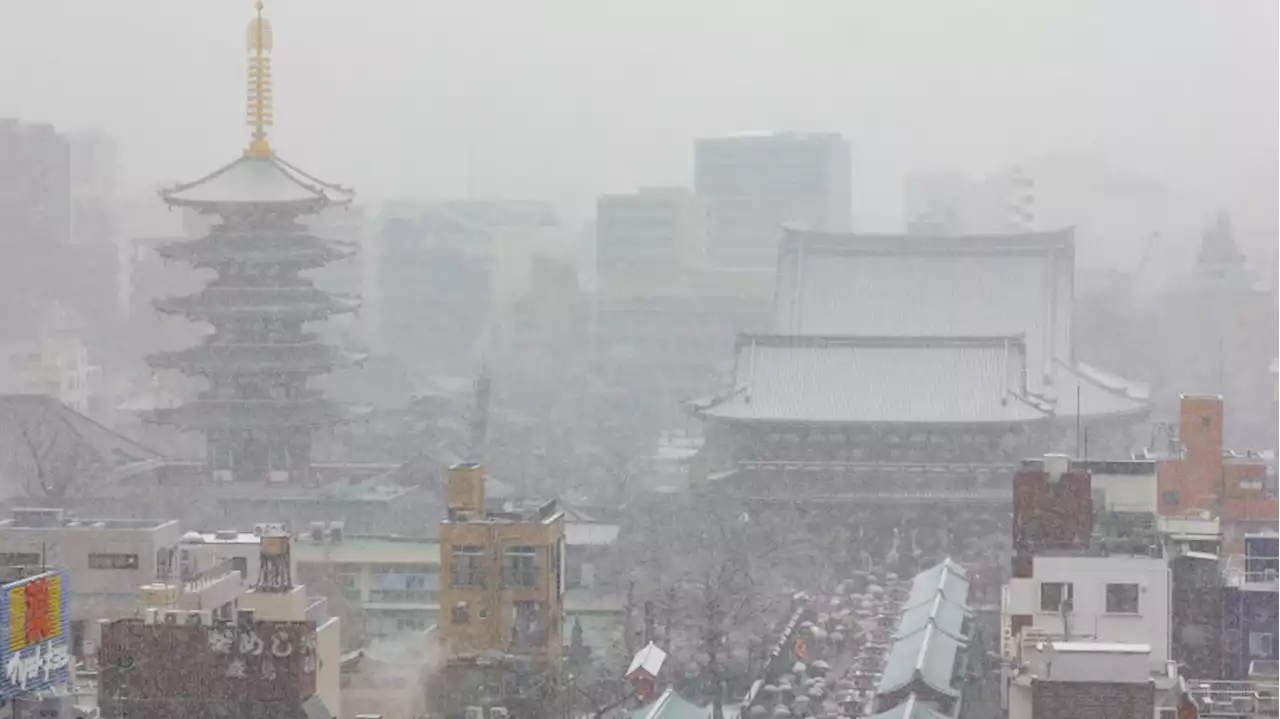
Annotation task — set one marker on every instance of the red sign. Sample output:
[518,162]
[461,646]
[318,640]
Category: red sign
[801,649]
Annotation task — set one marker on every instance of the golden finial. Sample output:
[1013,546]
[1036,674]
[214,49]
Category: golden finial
[259,84]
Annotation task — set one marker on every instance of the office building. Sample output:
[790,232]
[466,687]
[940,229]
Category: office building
[753,183]
[654,231]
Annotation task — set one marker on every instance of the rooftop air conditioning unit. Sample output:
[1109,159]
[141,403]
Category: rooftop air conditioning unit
[336,531]
[199,618]
[223,475]
[226,535]
[317,531]
[149,616]
[497,713]
[174,616]
[262,529]
[474,713]
[278,475]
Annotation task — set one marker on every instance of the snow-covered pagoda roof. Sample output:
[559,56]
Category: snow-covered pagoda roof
[908,380]
[254,180]
[205,413]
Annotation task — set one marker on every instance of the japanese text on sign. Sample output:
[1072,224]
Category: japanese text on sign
[40,661]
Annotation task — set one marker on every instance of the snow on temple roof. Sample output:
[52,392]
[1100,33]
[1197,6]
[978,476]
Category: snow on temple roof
[917,380]
[918,286]
[257,180]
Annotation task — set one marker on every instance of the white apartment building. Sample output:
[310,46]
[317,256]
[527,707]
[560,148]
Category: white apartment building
[1118,599]
[754,182]
[56,365]
[107,560]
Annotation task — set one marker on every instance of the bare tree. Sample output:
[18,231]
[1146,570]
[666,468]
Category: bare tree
[708,593]
[47,456]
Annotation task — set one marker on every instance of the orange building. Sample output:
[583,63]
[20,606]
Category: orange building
[1239,490]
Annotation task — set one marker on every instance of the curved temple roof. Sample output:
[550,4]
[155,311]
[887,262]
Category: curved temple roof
[258,181]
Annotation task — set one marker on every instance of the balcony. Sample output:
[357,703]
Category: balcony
[1251,573]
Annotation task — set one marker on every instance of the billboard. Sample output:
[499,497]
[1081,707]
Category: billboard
[35,650]
[146,667]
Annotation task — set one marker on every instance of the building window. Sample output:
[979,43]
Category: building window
[468,566]
[520,567]
[1056,596]
[1170,498]
[1261,644]
[1122,599]
[461,613]
[241,564]
[528,629]
[19,559]
[113,561]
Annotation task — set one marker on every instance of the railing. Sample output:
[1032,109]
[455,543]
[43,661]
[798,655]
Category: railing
[1235,698]
[1251,572]
[209,577]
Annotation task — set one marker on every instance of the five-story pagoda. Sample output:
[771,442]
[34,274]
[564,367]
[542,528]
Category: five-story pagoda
[257,414]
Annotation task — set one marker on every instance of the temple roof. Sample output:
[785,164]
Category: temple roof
[257,248]
[252,180]
[223,302]
[917,286]
[910,380]
[204,414]
[303,357]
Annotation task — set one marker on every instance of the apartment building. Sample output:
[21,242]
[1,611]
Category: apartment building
[501,632]
[394,581]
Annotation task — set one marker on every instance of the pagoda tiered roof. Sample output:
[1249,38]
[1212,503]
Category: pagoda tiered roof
[304,357]
[259,181]
[206,413]
[303,303]
[270,247]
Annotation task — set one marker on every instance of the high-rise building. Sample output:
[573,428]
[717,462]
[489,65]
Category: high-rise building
[653,230]
[755,182]
[257,414]
[502,594]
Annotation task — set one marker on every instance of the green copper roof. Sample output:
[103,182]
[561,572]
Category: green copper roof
[912,708]
[928,656]
[948,578]
[945,614]
[671,706]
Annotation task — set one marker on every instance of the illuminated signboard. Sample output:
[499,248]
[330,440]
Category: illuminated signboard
[35,653]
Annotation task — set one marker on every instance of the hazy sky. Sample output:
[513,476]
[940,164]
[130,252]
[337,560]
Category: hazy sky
[566,99]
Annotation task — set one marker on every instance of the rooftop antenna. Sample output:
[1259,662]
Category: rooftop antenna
[259,108]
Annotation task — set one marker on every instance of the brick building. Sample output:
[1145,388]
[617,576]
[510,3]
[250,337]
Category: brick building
[1204,475]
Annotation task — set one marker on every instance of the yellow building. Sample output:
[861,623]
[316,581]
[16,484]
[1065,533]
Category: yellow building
[501,599]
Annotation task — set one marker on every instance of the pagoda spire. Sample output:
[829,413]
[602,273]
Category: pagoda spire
[259,101]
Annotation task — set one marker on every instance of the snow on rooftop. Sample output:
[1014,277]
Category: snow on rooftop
[1101,647]
[650,659]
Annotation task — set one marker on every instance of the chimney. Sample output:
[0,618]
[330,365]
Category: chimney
[1200,428]
[465,493]
[1056,465]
